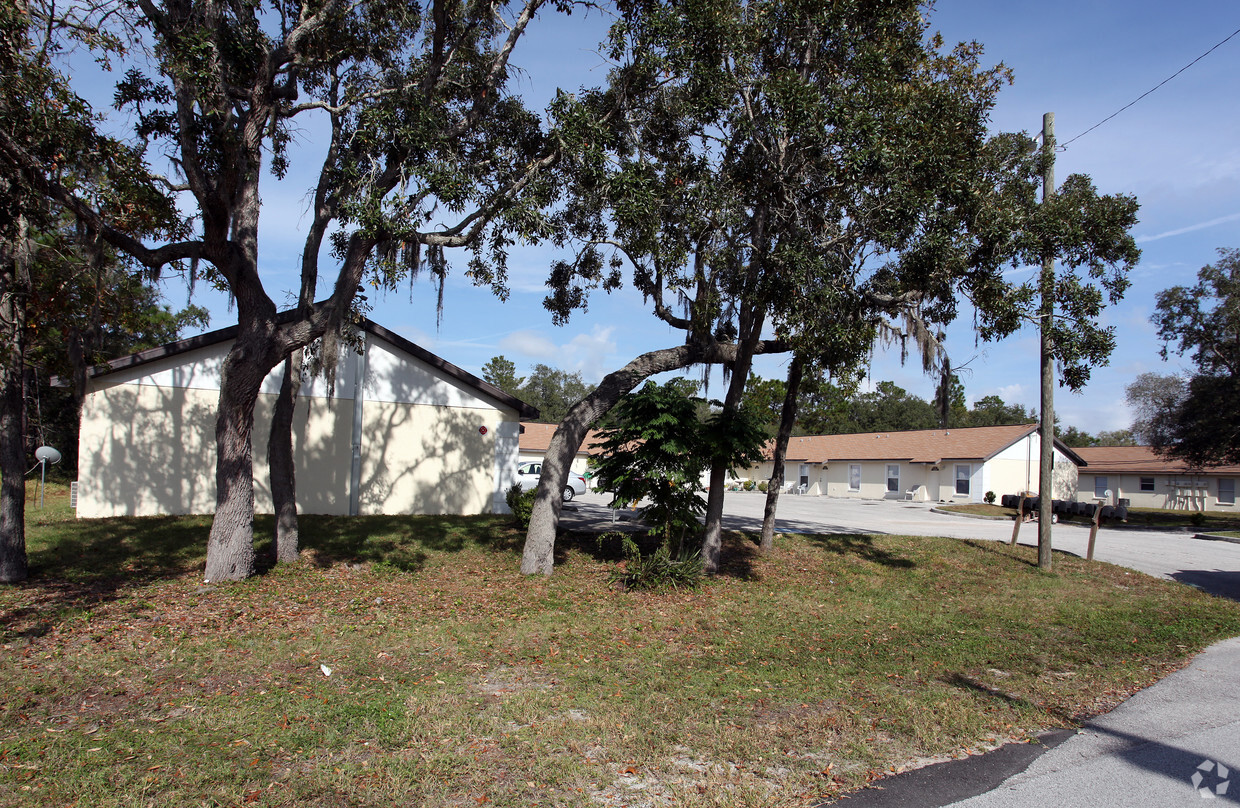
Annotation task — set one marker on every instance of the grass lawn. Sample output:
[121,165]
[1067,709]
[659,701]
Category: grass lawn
[980,509]
[1206,522]
[455,682]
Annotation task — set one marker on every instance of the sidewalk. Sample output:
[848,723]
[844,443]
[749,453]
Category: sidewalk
[1166,746]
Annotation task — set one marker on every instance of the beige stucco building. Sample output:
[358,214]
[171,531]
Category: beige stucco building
[401,432]
[941,465]
[1138,474]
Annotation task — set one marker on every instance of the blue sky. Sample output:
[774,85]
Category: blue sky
[1176,150]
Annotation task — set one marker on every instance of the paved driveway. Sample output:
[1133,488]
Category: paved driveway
[1210,565]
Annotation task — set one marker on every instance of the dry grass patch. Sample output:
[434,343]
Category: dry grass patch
[454,681]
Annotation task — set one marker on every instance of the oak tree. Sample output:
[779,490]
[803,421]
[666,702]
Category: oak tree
[1199,423]
[427,151]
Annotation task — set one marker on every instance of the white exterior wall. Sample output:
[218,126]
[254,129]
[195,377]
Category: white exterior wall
[147,442]
[1015,470]
[1192,492]
[1011,471]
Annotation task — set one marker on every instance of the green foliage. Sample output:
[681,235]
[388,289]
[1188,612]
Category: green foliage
[763,486]
[503,374]
[1198,519]
[552,391]
[658,449]
[1197,420]
[993,411]
[825,409]
[521,503]
[655,569]
[989,499]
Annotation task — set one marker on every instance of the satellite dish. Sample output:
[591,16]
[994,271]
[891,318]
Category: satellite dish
[1107,493]
[45,455]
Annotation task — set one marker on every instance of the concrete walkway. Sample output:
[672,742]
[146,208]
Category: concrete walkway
[1175,743]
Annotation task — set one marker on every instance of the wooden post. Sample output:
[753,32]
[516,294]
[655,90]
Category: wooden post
[1020,517]
[1046,427]
[1093,533]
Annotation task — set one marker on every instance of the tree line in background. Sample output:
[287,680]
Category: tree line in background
[1195,416]
[823,408]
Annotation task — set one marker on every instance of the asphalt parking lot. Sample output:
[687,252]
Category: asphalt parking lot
[1213,566]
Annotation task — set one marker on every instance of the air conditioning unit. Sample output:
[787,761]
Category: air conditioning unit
[1124,502]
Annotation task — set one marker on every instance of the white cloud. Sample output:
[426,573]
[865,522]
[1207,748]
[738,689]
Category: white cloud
[530,344]
[589,353]
[1012,393]
[1179,231]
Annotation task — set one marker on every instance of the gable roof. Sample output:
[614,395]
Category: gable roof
[915,446]
[537,437]
[211,338]
[1141,460]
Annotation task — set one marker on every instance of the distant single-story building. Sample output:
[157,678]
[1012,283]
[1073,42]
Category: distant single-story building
[402,432]
[1148,480]
[535,438]
[941,465]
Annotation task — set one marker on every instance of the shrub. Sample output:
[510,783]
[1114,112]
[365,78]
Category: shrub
[749,485]
[990,497]
[656,570]
[1198,519]
[762,486]
[521,503]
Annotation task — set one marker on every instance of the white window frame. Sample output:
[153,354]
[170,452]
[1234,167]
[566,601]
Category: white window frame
[895,477]
[968,473]
[1100,486]
[1229,494]
[1152,482]
[854,476]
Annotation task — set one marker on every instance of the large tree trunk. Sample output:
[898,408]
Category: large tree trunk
[712,533]
[787,418]
[280,462]
[14,285]
[230,547]
[538,556]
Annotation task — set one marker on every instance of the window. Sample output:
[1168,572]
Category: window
[893,477]
[1226,491]
[1100,487]
[962,480]
[854,476]
[1147,484]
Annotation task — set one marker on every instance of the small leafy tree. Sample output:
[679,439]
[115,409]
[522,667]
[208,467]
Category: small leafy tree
[657,451]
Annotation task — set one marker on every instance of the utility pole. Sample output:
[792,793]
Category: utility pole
[1046,429]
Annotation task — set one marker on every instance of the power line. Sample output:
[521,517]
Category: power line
[1064,145]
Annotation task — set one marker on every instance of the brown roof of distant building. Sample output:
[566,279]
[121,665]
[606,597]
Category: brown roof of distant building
[1141,460]
[917,446]
[537,437]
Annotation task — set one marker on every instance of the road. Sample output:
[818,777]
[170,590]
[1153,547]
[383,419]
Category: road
[1213,566]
